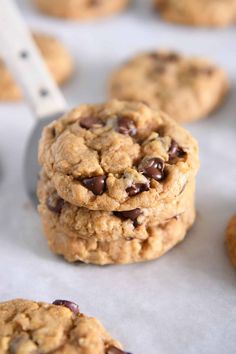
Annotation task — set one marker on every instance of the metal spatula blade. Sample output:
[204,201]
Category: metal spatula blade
[31,74]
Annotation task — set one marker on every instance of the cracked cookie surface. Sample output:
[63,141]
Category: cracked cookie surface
[81,9]
[28,327]
[117,156]
[187,88]
[57,58]
[210,13]
[231,239]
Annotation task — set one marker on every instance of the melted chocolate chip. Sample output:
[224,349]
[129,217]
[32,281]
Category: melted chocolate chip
[126,126]
[153,168]
[90,122]
[129,214]
[55,203]
[70,305]
[137,188]
[175,151]
[115,350]
[97,184]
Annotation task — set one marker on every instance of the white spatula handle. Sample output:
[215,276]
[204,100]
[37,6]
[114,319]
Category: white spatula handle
[26,64]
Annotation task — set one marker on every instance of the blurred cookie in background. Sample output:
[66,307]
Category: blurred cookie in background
[81,9]
[57,58]
[231,239]
[208,13]
[187,88]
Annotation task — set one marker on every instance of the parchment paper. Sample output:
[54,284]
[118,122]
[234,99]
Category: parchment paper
[184,303]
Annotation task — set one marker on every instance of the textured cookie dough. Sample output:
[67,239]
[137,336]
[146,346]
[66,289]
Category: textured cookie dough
[231,239]
[28,327]
[118,156]
[186,88]
[76,222]
[56,57]
[145,243]
[210,13]
[81,9]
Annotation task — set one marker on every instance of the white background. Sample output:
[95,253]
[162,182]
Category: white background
[185,302]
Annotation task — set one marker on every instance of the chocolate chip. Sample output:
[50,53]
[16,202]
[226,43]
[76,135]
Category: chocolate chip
[137,188]
[153,168]
[126,126]
[129,214]
[55,203]
[97,184]
[70,305]
[175,151]
[115,350]
[90,122]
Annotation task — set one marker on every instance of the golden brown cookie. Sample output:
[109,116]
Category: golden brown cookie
[76,222]
[231,239]
[28,327]
[142,242]
[210,13]
[118,156]
[81,9]
[57,58]
[187,88]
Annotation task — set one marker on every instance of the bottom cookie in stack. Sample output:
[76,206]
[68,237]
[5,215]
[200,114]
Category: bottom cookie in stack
[102,237]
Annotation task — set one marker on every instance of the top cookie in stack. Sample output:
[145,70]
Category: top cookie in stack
[119,164]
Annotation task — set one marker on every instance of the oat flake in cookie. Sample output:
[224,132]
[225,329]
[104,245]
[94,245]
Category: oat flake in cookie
[28,327]
[231,239]
[81,9]
[187,88]
[57,58]
[118,156]
[210,13]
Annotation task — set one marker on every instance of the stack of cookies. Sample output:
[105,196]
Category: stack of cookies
[117,183]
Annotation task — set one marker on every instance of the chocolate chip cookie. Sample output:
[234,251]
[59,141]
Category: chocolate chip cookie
[231,239]
[101,237]
[210,13]
[187,88]
[28,327]
[57,58]
[118,156]
[76,222]
[81,9]
[156,242]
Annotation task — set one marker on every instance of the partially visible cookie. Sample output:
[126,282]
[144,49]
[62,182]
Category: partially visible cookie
[187,88]
[81,9]
[231,239]
[57,58]
[28,327]
[118,156]
[210,13]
